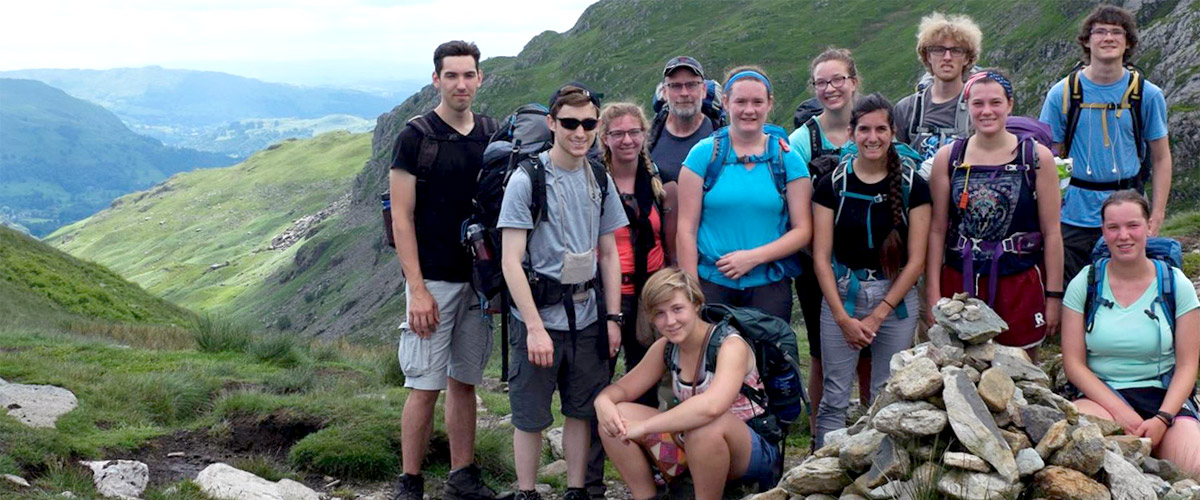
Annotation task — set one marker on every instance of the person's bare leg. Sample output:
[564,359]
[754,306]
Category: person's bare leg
[577,438]
[460,423]
[416,427]
[864,380]
[1033,354]
[716,453]
[527,450]
[628,457]
[1089,407]
[815,391]
[1181,445]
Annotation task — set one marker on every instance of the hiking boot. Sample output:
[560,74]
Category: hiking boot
[466,484]
[527,495]
[576,494]
[409,487]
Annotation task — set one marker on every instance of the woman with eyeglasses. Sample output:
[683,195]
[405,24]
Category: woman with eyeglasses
[820,142]
[642,244]
[744,204]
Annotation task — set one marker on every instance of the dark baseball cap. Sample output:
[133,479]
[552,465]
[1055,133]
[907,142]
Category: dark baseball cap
[683,62]
[591,95]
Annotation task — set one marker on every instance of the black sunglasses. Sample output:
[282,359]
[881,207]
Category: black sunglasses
[589,124]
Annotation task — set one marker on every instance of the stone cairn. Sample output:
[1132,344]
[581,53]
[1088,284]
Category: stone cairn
[963,417]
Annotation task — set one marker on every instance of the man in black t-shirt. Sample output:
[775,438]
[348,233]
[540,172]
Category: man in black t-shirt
[683,80]
[445,339]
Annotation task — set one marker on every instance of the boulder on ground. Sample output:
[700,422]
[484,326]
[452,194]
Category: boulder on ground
[37,406]
[125,479]
[224,482]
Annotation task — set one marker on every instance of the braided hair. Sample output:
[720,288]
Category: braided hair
[893,251]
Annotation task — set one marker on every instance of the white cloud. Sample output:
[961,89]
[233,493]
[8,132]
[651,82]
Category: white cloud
[212,34]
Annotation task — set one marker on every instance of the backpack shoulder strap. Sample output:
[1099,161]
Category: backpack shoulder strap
[837,178]
[720,148]
[918,112]
[815,146]
[1166,290]
[537,180]
[1095,297]
[1072,101]
[428,150]
[656,128]
[958,151]
[908,169]
[777,146]
[1133,99]
[600,174]
[488,125]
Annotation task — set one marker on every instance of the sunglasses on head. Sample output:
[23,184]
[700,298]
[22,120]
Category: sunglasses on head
[589,124]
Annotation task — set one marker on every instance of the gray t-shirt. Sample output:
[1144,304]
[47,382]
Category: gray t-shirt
[573,223]
[670,151]
[939,115]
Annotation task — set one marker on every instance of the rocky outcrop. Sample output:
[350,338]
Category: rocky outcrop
[37,406]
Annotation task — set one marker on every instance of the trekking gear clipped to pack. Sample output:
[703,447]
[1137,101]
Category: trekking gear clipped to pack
[776,357]
[1073,104]
[712,107]
[777,146]
[427,153]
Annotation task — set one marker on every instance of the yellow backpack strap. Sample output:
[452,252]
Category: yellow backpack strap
[1135,83]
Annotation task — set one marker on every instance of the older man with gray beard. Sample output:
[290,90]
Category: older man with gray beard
[683,82]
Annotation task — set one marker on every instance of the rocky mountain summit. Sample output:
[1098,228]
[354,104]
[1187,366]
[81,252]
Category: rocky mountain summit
[965,418]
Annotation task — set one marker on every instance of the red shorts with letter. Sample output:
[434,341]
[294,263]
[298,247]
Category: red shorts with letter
[1021,303]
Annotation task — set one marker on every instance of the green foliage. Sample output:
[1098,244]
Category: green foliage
[1191,265]
[292,381]
[387,366]
[265,468]
[366,451]
[8,465]
[184,490]
[67,476]
[281,349]
[220,334]
[172,398]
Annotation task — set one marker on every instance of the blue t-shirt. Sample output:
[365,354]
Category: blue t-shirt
[802,144]
[1125,347]
[1095,158]
[742,211]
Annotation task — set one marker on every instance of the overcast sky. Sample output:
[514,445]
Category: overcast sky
[294,41]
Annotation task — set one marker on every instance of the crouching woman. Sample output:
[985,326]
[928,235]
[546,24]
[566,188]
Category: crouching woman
[1128,363]
[710,423]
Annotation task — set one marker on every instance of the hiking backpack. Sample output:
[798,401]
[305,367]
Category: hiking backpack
[1073,104]
[822,160]
[777,146]
[1166,254]
[427,153]
[712,107]
[776,357]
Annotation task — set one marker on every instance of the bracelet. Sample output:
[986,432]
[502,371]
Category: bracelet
[884,300]
[1054,295]
[1167,418]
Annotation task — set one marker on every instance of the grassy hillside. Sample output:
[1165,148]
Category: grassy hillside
[63,158]
[42,285]
[170,238]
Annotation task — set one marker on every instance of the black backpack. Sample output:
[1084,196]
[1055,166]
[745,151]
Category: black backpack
[776,356]
[711,107]
[822,160]
[1073,103]
[427,153]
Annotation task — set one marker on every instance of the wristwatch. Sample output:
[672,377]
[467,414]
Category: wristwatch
[618,318]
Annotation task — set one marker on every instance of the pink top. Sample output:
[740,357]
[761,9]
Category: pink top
[742,408]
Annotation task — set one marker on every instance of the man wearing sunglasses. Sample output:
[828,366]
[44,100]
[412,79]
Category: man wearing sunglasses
[683,83]
[445,341]
[936,114]
[561,338]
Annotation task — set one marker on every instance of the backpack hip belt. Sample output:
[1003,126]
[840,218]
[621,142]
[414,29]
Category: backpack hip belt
[970,248]
[855,278]
[1132,182]
[548,291]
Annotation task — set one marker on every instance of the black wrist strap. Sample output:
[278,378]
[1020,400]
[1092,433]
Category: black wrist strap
[1054,295]
[1167,418]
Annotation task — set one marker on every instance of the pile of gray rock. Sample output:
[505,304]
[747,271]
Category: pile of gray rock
[963,417]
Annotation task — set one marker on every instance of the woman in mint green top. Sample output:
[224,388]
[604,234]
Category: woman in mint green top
[1131,367]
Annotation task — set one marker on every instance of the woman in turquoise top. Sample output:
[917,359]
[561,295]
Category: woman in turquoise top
[835,85]
[744,204]
[1131,367]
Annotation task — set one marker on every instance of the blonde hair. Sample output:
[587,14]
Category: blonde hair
[958,27]
[615,110]
[662,285]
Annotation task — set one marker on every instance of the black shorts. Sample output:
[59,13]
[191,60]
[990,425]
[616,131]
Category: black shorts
[1147,400]
[579,372]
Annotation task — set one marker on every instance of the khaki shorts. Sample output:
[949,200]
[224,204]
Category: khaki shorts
[458,348]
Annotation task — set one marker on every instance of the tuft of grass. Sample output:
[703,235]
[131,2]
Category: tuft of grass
[1191,264]
[8,465]
[215,334]
[280,349]
[494,454]
[143,336]
[265,468]
[300,379]
[364,451]
[387,366]
[184,490]
[63,476]
[173,398]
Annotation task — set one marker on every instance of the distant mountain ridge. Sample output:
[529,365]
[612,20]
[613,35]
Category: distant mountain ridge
[185,107]
[63,158]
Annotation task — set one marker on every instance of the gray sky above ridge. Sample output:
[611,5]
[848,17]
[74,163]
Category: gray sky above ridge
[306,42]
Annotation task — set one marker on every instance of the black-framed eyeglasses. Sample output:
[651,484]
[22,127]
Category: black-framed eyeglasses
[691,86]
[617,135]
[589,124]
[836,82]
[1103,32]
[939,51]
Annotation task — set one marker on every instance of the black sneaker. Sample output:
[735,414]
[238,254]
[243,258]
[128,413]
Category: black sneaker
[409,487]
[466,484]
[527,495]
[576,494]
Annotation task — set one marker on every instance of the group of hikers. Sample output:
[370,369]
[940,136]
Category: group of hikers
[708,203]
